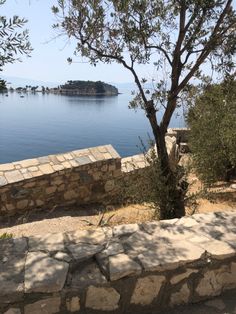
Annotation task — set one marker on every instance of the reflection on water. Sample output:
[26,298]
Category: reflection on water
[38,125]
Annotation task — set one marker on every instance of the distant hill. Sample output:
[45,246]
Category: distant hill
[86,88]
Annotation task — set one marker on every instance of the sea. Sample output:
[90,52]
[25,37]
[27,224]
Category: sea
[33,125]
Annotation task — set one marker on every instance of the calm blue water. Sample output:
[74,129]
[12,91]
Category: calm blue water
[38,125]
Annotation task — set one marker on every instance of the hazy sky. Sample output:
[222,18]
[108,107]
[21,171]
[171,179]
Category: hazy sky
[49,58]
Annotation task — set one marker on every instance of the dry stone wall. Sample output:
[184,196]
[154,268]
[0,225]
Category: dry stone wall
[137,268]
[82,176]
[93,175]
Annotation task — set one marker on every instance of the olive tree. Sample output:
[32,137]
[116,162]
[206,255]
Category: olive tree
[177,36]
[212,120]
[13,41]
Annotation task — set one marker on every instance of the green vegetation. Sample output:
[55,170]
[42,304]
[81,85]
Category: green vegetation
[177,37]
[6,236]
[213,128]
[12,42]
[3,86]
[87,87]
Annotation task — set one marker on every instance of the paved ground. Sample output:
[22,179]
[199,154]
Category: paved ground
[225,304]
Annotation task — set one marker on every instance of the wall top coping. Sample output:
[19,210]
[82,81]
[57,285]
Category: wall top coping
[30,168]
[41,263]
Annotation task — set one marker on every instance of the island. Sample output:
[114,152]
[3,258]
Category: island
[86,88]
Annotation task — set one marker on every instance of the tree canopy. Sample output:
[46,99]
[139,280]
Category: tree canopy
[177,36]
[13,41]
[212,120]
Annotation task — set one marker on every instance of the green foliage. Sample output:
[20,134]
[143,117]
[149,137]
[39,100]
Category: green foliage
[6,235]
[12,42]
[213,131]
[148,185]
[3,86]
[176,37]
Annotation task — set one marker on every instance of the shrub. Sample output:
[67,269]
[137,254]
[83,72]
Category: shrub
[212,121]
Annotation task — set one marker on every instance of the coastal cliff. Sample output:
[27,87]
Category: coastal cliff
[86,88]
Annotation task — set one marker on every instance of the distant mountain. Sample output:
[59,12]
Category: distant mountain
[19,81]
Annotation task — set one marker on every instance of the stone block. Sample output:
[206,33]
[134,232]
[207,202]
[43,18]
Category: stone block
[122,265]
[7,167]
[102,299]
[122,230]
[46,306]
[3,181]
[70,195]
[177,278]
[44,274]
[83,251]
[219,249]
[46,168]
[87,274]
[147,289]
[73,304]
[109,185]
[29,163]
[61,256]
[180,297]
[14,176]
[23,204]
[166,254]
[13,311]
[12,278]
[96,236]
[47,242]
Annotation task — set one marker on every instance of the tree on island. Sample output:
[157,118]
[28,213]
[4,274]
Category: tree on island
[12,42]
[177,36]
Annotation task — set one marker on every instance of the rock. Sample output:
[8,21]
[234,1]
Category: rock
[125,229]
[22,204]
[13,311]
[122,265]
[17,246]
[181,296]
[147,289]
[219,249]
[112,248]
[168,254]
[102,299]
[86,275]
[14,176]
[82,251]
[44,274]
[109,185]
[96,236]
[233,186]
[62,257]
[49,242]
[73,304]
[12,279]
[209,285]
[3,181]
[177,278]
[46,306]
[70,195]
[218,304]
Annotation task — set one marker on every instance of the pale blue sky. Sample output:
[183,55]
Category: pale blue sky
[49,59]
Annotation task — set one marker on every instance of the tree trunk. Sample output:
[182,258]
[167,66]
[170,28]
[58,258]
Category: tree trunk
[172,201]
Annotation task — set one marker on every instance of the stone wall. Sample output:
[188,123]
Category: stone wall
[86,176]
[125,269]
[79,177]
